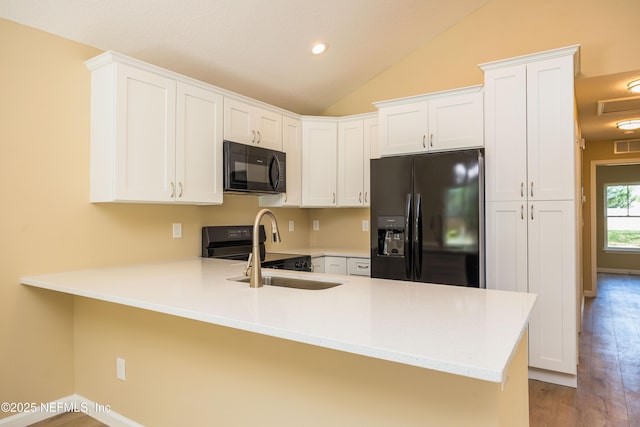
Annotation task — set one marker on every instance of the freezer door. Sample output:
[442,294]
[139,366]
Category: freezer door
[391,214]
[447,218]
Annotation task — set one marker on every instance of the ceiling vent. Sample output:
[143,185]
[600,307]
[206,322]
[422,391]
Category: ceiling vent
[629,105]
[627,146]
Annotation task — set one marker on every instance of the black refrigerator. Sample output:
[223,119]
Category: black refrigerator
[427,218]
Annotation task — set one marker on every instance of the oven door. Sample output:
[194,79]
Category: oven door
[253,169]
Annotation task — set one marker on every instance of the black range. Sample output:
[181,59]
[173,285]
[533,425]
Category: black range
[235,242]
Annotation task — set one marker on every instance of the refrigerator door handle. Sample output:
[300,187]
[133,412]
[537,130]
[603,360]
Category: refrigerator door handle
[417,238]
[407,237]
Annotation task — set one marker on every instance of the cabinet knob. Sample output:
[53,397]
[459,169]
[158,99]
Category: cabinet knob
[531,212]
[360,197]
[531,188]
[259,136]
[365,197]
[334,197]
[180,187]
[254,136]
[522,189]
[521,211]
[424,139]
[173,190]
[431,140]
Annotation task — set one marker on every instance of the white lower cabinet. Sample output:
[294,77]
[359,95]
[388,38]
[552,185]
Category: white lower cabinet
[358,267]
[335,265]
[552,276]
[506,246]
[353,266]
[531,247]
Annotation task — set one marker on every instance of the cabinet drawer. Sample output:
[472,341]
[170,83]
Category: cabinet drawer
[359,266]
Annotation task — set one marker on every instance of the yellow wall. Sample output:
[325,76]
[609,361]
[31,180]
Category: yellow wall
[594,152]
[502,29]
[340,228]
[47,223]
[182,372]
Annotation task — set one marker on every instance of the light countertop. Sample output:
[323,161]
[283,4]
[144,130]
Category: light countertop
[462,331]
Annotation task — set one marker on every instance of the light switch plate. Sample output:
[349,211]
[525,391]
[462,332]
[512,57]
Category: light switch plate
[292,225]
[365,225]
[120,369]
[316,225]
[177,230]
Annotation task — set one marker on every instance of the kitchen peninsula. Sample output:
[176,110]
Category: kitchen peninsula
[407,353]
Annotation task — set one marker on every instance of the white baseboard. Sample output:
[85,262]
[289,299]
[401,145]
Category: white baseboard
[73,403]
[618,271]
[558,378]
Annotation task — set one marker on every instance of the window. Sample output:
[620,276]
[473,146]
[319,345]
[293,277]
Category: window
[622,217]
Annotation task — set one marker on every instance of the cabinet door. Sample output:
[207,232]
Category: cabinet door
[319,163]
[292,145]
[268,127]
[505,125]
[456,122]
[370,152]
[552,276]
[317,264]
[145,136]
[237,122]
[335,265]
[403,128]
[359,266]
[198,145]
[351,163]
[550,138]
[506,246]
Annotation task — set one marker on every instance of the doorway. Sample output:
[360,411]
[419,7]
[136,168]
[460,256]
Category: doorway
[616,260]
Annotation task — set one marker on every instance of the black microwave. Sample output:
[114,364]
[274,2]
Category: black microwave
[251,169]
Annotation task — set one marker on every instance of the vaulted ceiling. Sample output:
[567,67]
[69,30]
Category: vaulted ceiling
[261,48]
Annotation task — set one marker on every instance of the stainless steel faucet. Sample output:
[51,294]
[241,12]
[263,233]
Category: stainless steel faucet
[253,264]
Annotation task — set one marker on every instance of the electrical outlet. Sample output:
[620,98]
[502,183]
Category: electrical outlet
[316,225]
[177,230]
[292,225]
[120,369]
[365,225]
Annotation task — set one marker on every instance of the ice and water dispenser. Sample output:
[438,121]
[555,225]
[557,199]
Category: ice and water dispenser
[391,231]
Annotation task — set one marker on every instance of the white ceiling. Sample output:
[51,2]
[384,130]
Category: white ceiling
[259,48]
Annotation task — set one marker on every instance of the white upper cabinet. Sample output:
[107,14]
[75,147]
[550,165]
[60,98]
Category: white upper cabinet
[403,128]
[550,129]
[250,124]
[434,122]
[351,163]
[371,146]
[319,162]
[505,99]
[456,121]
[292,146]
[529,110]
[154,139]
[198,145]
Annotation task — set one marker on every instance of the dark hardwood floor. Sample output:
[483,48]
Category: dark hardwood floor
[608,392]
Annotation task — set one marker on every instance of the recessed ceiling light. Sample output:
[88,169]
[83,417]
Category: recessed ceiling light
[629,125]
[634,86]
[318,48]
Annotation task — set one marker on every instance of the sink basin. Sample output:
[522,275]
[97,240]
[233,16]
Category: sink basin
[311,283]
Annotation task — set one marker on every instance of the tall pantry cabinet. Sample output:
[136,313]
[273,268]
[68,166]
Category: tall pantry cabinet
[531,199]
